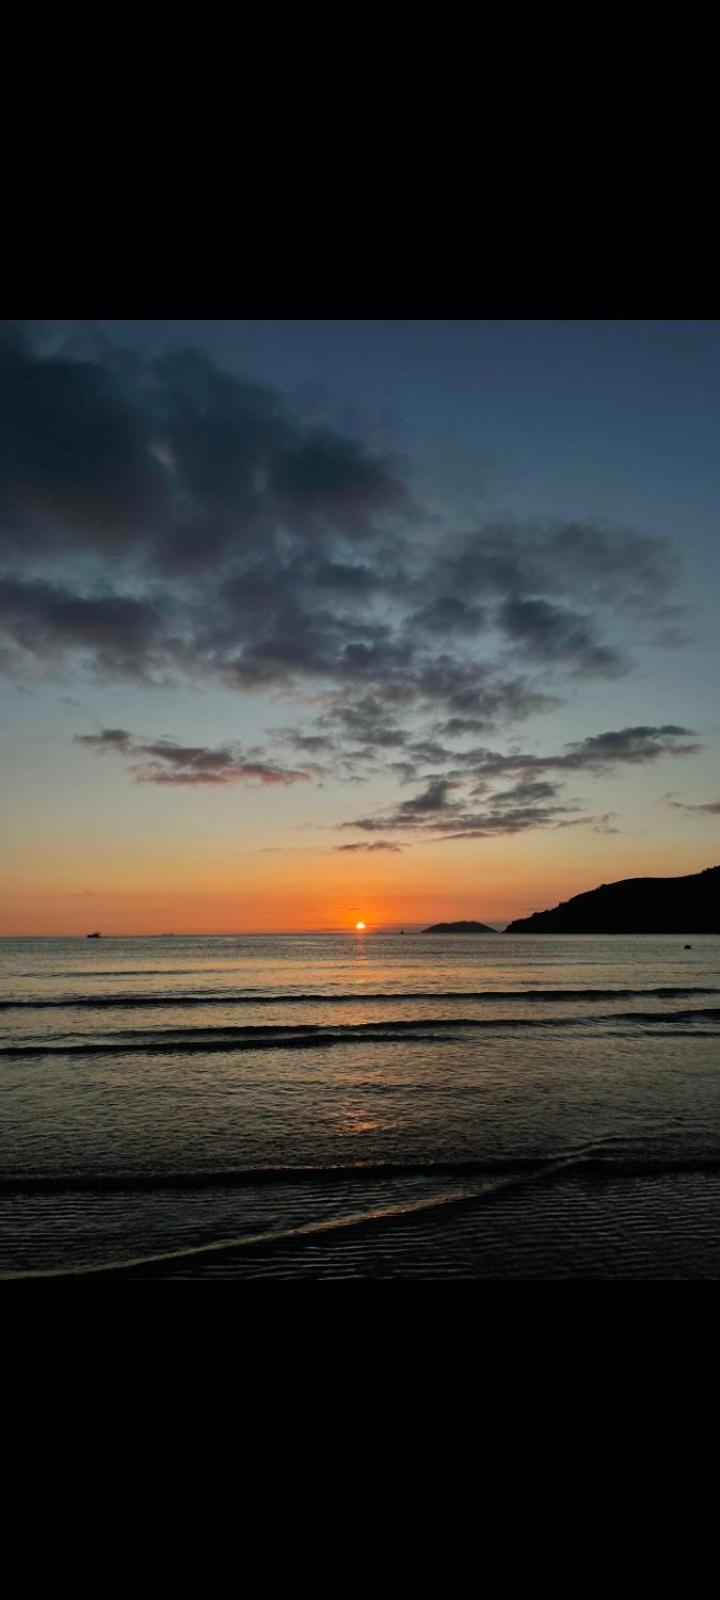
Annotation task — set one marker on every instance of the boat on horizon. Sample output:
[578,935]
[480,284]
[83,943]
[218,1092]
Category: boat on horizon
[93,936]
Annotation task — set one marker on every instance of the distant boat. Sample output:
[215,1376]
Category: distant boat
[93,936]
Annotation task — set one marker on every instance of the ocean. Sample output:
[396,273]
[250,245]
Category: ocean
[360,1106]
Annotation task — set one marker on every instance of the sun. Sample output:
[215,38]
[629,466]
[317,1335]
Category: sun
[359,927]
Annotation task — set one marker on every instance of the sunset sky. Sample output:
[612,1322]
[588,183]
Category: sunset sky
[303,623]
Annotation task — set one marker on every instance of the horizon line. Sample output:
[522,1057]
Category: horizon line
[241,933]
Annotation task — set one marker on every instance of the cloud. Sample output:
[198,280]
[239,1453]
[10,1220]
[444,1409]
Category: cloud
[123,636]
[497,820]
[601,824]
[164,761]
[479,689]
[450,615]
[432,799]
[186,522]
[455,823]
[364,719]
[313,743]
[634,745]
[530,802]
[380,844]
[164,522]
[712,807]
[577,560]
[107,739]
[528,791]
[545,632]
[173,458]
[597,753]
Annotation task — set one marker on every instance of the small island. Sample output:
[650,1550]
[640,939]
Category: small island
[459,927]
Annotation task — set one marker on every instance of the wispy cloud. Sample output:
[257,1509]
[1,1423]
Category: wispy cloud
[442,808]
[368,849]
[164,761]
[712,807]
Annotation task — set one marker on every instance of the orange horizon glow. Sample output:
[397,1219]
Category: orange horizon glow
[206,892]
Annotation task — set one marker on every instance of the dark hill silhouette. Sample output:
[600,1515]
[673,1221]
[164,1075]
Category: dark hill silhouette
[459,927]
[635,905]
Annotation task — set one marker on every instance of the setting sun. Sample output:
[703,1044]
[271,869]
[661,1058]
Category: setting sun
[359,927]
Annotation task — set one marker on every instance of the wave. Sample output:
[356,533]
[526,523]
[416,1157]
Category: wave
[592,1160]
[488,1186]
[246,1177]
[97,1002]
[309,1035]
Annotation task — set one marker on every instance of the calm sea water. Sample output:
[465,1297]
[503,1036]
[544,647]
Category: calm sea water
[362,1106]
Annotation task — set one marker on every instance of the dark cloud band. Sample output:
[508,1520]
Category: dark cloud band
[164,761]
